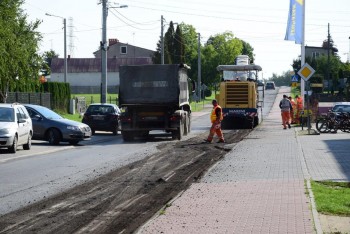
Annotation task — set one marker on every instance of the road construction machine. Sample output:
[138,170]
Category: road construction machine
[239,94]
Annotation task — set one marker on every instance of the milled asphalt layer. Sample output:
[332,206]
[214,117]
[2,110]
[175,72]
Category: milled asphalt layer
[259,187]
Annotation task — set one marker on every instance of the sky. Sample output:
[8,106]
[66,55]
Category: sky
[260,23]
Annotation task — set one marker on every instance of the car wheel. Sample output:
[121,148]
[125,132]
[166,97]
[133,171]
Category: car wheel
[54,137]
[13,147]
[127,136]
[75,142]
[115,130]
[29,143]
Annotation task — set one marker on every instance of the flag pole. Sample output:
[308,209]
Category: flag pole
[302,82]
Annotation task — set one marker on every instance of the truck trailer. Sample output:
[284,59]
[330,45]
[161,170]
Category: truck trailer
[154,97]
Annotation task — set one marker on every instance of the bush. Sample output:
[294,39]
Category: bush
[207,93]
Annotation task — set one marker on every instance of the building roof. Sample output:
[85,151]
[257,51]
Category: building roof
[112,42]
[85,65]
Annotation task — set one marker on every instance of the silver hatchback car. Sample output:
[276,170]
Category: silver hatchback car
[15,127]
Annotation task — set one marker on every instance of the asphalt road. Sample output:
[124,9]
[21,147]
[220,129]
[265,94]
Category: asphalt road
[45,170]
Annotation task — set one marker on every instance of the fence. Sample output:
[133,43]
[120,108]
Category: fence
[43,99]
[83,102]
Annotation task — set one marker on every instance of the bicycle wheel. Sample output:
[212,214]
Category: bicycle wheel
[333,126]
[322,125]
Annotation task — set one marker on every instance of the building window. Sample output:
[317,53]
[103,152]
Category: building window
[315,55]
[123,50]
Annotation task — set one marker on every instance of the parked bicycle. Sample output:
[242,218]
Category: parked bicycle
[333,122]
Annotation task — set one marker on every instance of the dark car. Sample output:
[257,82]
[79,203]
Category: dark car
[341,107]
[260,83]
[102,117]
[270,85]
[51,127]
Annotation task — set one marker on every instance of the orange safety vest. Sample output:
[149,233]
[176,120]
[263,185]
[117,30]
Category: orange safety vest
[299,103]
[293,103]
[213,114]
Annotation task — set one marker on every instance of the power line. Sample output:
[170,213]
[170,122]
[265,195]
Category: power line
[222,17]
[134,22]
[130,25]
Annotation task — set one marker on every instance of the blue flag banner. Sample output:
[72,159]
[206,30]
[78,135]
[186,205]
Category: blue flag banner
[294,28]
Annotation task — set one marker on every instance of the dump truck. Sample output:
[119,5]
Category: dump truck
[154,97]
[239,95]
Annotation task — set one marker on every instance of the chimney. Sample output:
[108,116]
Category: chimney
[113,41]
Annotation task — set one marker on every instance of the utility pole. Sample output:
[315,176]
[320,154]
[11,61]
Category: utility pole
[65,50]
[302,82]
[162,39]
[199,67]
[349,52]
[328,58]
[104,47]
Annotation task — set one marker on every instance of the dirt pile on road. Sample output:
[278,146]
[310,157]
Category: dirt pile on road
[124,199]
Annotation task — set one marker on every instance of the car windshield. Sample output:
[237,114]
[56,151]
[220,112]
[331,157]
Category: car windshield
[102,110]
[7,114]
[341,108]
[47,113]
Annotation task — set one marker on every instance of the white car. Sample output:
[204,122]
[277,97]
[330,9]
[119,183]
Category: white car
[15,127]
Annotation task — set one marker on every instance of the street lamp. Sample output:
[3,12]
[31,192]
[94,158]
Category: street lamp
[65,44]
[104,48]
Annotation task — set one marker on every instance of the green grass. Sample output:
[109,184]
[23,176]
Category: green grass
[75,117]
[111,98]
[332,197]
[96,98]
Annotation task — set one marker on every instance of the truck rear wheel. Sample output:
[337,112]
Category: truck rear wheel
[178,134]
[256,121]
[187,125]
[127,136]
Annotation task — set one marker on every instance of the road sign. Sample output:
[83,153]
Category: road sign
[294,78]
[294,84]
[306,72]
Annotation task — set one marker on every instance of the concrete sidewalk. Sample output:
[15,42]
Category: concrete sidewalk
[259,186]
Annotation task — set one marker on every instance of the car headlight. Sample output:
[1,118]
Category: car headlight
[74,128]
[4,131]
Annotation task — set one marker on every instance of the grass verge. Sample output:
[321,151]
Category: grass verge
[332,197]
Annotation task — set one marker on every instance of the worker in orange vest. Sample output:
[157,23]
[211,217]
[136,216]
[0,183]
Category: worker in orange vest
[286,107]
[299,103]
[294,107]
[215,117]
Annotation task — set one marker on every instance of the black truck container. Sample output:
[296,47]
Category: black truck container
[154,97]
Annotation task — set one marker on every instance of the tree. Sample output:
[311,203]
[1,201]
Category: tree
[219,49]
[190,40]
[174,47]
[331,45]
[248,50]
[179,47]
[169,44]
[156,58]
[19,62]
[282,80]
[46,65]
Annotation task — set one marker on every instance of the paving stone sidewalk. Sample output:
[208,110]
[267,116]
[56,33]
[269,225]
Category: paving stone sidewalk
[259,187]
